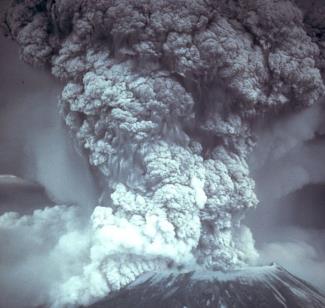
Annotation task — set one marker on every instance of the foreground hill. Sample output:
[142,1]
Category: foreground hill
[269,286]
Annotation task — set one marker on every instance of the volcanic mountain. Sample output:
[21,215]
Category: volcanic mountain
[268,287]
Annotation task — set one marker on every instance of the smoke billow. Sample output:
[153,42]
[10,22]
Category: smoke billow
[162,97]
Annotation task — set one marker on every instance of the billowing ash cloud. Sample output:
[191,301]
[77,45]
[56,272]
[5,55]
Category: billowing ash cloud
[161,97]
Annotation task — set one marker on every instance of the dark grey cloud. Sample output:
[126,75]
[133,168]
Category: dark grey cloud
[163,99]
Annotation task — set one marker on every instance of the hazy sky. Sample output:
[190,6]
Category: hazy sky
[34,143]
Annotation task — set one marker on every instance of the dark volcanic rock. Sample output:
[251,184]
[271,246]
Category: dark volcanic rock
[269,286]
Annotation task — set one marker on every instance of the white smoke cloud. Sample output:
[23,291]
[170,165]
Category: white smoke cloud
[39,251]
[160,96]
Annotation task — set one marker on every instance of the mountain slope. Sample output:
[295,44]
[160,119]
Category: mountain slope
[269,286]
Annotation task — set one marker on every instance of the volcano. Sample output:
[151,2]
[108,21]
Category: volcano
[267,286]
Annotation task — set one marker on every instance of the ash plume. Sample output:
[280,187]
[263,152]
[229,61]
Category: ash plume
[162,98]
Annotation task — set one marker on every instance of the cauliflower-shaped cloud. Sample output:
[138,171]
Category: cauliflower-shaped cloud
[161,96]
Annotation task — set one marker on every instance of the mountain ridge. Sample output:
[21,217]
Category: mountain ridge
[266,286]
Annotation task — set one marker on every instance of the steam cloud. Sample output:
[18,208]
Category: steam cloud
[162,97]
